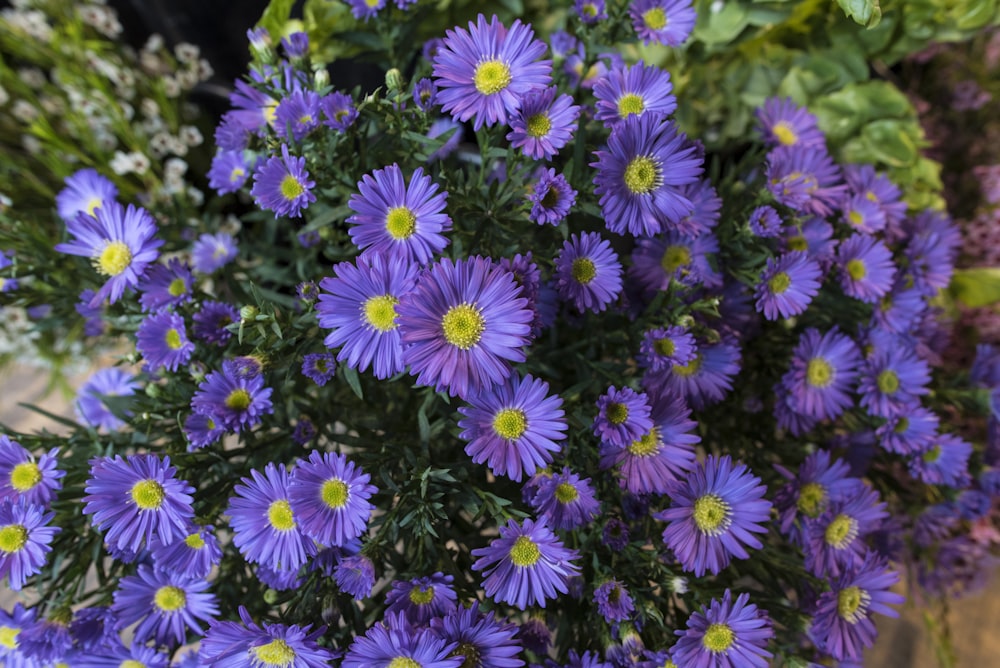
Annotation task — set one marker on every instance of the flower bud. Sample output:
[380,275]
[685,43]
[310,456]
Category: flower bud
[394,80]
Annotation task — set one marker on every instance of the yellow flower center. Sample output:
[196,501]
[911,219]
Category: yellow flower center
[147,494]
[933,454]
[779,283]
[856,269]
[290,187]
[718,638]
[711,514]
[784,133]
[798,243]
[675,257]
[463,326]
[173,339]
[852,603]
[380,312]
[170,598]
[689,369]
[583,270]
[524,553]
[8,637]
[275,653]
[902,425]
[131,663]
[419,596]
[194,541]
[334,493]
[539,125]
[819,372]
[855,218]
[888,382]
[24,476]
[114,259]
[841,531]
[616,412]
[648,445]
[566,493]
[630,103]
[655,18]
[177,287]
[812,499]
[13,537]
[664,346]
[642,175]
[92,205]
[491,76]
[236,174]
[404,662]
[280,516]
[400,223]
[510,423]
[238,400]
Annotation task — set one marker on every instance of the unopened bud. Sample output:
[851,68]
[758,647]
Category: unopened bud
[394,80]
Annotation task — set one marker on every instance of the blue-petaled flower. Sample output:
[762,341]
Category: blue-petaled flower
[639,172]
[120,243]
[463,324]
[622,416]
[425,94]
[805,179]
[892,381]
[12,624]
[192,556]
[781,122]
[213,251]
[24,540]
[588,272]
[543,124]
[728,634]
[909,432]
[565,501]
[355,575]
[282,185]
[394,644]
[787,285]
[116,654]
[842,623]
[613,601]
[366,9]
[24,477]
[47,642]
[633,91]
[898,311]
[815,237]
[822,372]
[932,248]
[236,401]
[339,111]
[835,539]
[229,171]
[162,341]
[211,322]
[514,427]
[249,645]
[485,72]
[422,599]
[944,462]
[136,498]
[480,636]
[165,285]
[863,214]
[551,198]
[765,222]
[329,496]
[90,406]
[866,266]
[714,515]
[402,222]
[85,192]
[703,381]
[590,11]
[166,605]
[297,114]
[265,528]
[819,482]
[359,306]
[864,181]
[668,22]
[663,347]
[526,565]
[319,367]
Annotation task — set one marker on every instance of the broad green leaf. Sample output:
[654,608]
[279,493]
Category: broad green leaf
[275,16]
[865,12]
[979,286]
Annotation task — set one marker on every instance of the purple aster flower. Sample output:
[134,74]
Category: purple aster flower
[264,525]
[622,416]
[254,109]
[588,272]
[668,22]
[866,266]
[329,497]
[339,110]
[165,285]
[46,642]
[355,575]
[781,122]
[961,565]
[590,11]
[898,311]
[165,604]
[822,372]
[493,643]
[282,185]
[93,315]
[945,462]
[24,540]
[361,312]
[296,45]
[366,9]
[765,222]
[162,341]
[234,400]
[703,381]
[92,628]
[24,477]
[422,599]
[551,198]
[536,636]
[565,501]
[229,171]
[805,179]
[484,73]
[842,622]
[819,482]
[787,285]
[729,634]
[526,564]
[862,180]
[815,237]
[211,322]
[613,601]
[192,556]
[892,381]
[404,223]
[543,124]
[615,534]
[233,131]
[835,539]
[713,515]
[863,215]
[120,243]
[638,175]
[392,644]
[279,579]
[910,432]
[116,654]
[232,644]
[663,347]
[707,207]
[85,191]
[932,250]
[90,406]
[298,114]
[561,43]
[514,427]
[657,261]
[137,498]
[633,91]
[663,454]
[425,94]
[319,367]
[212,252]
[463,324]
[13,624]
[305,430]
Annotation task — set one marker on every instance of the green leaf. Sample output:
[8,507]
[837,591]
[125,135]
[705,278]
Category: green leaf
[723,26]
[865,12]
[351,376]
[274,18]
[979,286]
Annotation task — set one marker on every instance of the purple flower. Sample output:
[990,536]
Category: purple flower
[24,540]
[781,122]
[329,497]
[392,644]
[229,171]
[657,261]
[425,94]
[165,285]
[639,173]
[282,185]
[863,214]
[909,432]
[663,347]
[633,91]
[484,73]
[212,252]
[232,644]
[787,285]
[815,237]
[165,604]
[120,243]
[867,270]
[765,222]
[729,634]
[298,113]
[462,325]
[714,514]
[360,309]
[526,564]
[835,538]
[211,322]
[339,110]
[366,9]
[588,272]
[668,22]
[90,406]
[495,644]
[355,575]
[234,400]
[703,381]
[422,599]
[551,198]
[623,416]
[932,249]
[565,501]
[191,557]
[863,181]
[892,381]
[819,482]
[513,427]
[543,124]
[85,191]
[945,462]
[162,341]
[613,601]
[137,498]
[590,11]
[805,179]
[822,371]
[403,222]
[22,477]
